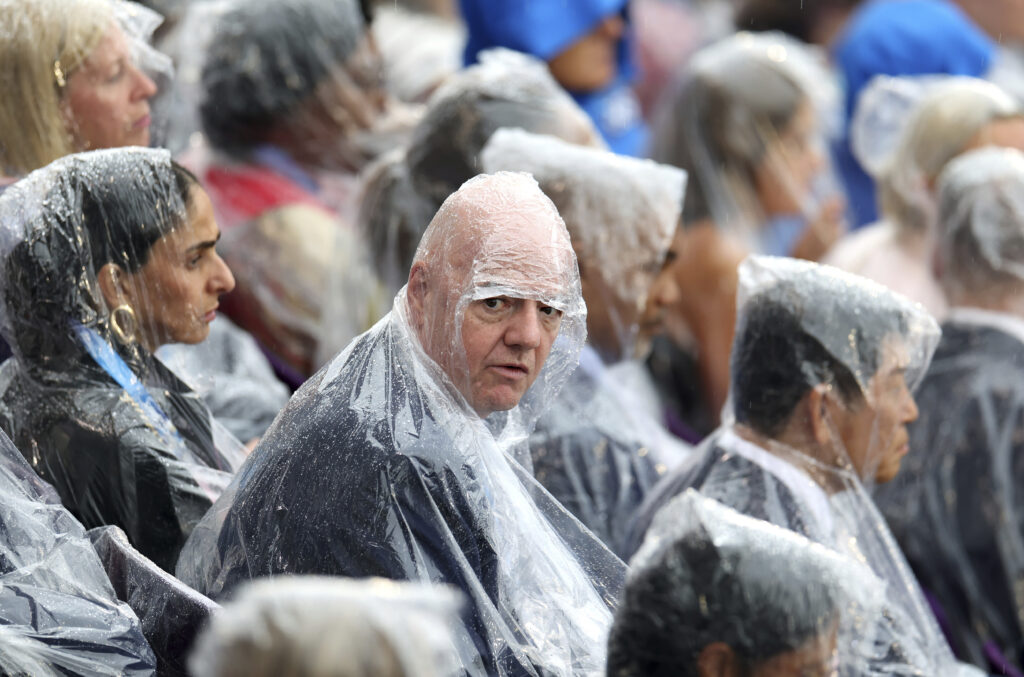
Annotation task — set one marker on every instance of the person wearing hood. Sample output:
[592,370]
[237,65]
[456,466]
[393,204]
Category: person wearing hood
[332,627]
[714,593]
[81,76]
[104,257]
[596,450]
[58,611]
[406,187]
[823,367]
[955,506]
[293,106]
[401,458]
[587,47]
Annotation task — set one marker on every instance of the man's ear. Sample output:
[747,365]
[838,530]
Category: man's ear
[817,404]
[416,293]
[111,280]
[718,660]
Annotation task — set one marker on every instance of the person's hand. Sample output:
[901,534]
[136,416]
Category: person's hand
[821,233]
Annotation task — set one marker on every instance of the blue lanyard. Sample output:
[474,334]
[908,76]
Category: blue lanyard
[111,362]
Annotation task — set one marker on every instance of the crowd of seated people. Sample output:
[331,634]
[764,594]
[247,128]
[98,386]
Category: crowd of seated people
[440,337]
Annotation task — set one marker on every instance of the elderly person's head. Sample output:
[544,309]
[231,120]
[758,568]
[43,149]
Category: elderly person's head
[71,82]
[825,362]
[491,281]
[955,116]
[980,248]
[298,74]
[621,213]
[331,627]
[118,241]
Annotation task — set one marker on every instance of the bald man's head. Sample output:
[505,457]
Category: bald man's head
[495,269]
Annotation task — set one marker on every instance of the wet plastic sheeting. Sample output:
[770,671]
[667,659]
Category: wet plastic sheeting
[58,612]
[233,377]
[171,613]
[99,267]
[381,464]
[709,576]
[820,349]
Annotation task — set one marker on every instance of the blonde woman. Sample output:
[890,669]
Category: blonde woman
[72,79]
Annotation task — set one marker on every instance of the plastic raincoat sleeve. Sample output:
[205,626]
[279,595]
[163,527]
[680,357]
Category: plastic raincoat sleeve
[58,612]
[595,450]
[956,508]
[120,437]
[236,381]
[379,466]
[360,628]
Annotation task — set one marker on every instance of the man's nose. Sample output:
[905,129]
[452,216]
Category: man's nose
[524,328]
[910,409]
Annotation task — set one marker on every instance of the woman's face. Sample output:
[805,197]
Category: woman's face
[106,103]
[792,159]
[175,295]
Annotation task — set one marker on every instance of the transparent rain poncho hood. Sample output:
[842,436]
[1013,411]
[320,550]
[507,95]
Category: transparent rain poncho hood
[708,574]
[595,450]
[749,105]
[380,465]
[46,44]
[58,611]
[955,507]
[119,436]
[823,367]
[332,627]
[506,89]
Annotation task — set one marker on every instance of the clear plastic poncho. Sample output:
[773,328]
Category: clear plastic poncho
[58,611]
[332,627]
[171,613]
[955,507]
[823,368]
[708,575]
[233,377]
[904,132]
[102,261]
[404,190]
[748,122]
[595,449]
[381,466]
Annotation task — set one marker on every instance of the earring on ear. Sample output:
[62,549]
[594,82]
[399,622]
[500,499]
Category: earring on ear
[119,317]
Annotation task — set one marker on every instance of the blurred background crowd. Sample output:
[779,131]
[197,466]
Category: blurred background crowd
[717,370]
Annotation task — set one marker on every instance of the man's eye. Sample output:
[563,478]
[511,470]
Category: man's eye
[493,304]
[548,310]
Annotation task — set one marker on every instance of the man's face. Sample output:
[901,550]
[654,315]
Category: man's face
[874,432]
[506,341]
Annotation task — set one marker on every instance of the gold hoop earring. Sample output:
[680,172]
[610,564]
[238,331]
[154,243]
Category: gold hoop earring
[123,334]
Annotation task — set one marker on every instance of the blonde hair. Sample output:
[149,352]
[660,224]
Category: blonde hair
[944,124]
[44,43]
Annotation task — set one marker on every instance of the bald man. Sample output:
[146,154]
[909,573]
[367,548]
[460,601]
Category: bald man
[396,460]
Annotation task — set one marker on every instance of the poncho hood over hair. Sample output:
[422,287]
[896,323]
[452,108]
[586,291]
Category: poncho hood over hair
[379,466]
